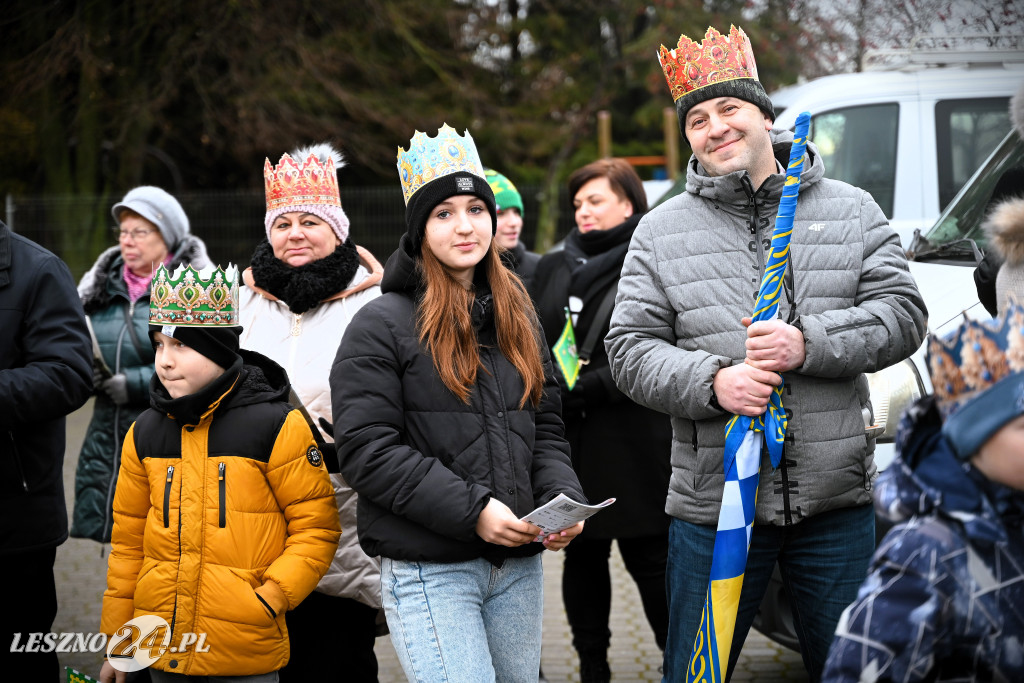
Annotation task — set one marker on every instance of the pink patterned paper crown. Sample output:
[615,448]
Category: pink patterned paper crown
[310,184]
[716,59]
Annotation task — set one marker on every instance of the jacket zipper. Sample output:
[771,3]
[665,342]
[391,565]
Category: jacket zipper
[785,489]
[17,462]
[851,326]
[221,486]
[167,496]
[494,370]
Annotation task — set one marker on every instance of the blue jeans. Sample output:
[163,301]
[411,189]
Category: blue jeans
[823,561]
[466,622]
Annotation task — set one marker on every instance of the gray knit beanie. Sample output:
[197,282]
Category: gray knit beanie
[159,208]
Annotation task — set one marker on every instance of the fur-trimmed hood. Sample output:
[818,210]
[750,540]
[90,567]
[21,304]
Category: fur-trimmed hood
[1005,227]
[93,289]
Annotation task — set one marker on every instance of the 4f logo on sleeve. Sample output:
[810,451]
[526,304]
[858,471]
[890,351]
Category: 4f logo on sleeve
[314,456]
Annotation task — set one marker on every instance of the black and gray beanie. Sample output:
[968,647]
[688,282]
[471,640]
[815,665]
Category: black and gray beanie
[219,344]
[436,191]
[747,89]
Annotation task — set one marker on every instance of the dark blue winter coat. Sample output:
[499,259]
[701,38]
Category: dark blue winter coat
[944,599]
[45,373]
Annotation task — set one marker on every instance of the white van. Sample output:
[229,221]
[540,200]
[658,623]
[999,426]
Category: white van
[912,136]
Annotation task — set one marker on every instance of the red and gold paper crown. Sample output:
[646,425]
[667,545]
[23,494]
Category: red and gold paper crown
[311,184]
[691,66]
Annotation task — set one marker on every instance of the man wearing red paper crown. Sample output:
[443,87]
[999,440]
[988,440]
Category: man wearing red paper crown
[684,344]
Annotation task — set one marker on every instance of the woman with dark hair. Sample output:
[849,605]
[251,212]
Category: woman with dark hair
[619,449]
[446,420]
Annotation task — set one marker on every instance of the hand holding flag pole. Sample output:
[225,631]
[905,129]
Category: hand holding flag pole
[743,443]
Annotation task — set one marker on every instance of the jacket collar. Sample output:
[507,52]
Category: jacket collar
[732,188]
[366,259]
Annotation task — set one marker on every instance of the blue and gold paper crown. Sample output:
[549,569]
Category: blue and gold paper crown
[975,357]
[195,298]
[431,158]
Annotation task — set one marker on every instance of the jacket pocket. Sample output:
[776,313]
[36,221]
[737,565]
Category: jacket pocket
[167,495]
[222,495]
[18,466]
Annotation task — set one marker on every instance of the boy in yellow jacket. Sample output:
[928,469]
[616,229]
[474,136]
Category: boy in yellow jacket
[224,515]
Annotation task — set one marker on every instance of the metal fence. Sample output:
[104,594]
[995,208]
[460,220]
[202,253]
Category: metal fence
[231,222]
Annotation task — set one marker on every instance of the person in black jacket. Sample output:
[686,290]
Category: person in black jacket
[45,373]
[619,448]
[510,226]
[446,421]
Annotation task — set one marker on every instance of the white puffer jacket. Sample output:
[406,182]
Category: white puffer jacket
[305,345]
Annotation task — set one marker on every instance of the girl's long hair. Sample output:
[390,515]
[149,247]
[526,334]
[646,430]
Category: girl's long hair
[445,325]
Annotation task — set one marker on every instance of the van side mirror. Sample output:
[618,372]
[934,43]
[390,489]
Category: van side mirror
[893,390]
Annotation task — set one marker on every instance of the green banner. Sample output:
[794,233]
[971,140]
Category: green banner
[565,353]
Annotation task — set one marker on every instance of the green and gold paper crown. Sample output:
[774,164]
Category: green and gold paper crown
[431,158]
[195,298]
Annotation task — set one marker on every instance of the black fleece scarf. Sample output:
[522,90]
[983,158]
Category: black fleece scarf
[304,287]
[595,254]
[187,409]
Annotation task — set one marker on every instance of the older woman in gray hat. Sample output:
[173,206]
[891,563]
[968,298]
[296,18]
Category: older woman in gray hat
[152,229]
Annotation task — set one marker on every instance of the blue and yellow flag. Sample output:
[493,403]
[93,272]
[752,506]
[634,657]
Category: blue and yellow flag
[743,441]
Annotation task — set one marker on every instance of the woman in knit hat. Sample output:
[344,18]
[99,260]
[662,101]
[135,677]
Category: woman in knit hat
[942,601]
[307,280]
[446,419]
[152,230]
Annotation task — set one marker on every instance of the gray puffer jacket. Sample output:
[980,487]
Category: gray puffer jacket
[692,272]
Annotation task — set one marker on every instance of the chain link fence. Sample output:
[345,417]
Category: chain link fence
[229,222]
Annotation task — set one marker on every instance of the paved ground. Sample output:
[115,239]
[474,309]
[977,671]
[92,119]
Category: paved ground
[81,578]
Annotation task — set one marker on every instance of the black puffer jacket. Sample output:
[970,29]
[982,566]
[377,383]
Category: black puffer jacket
[45,374]
[523,263]
[423,462]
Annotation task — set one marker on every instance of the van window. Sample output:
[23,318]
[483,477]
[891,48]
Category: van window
[858,146]
[966,133]
[1000,177]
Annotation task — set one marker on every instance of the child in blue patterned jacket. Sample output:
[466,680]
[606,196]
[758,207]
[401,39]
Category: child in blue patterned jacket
[944,599]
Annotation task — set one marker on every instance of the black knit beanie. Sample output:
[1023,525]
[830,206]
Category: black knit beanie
[436,191]
[219,344]
[746,89]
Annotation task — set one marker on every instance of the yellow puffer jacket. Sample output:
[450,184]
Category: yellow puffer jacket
[223,521]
